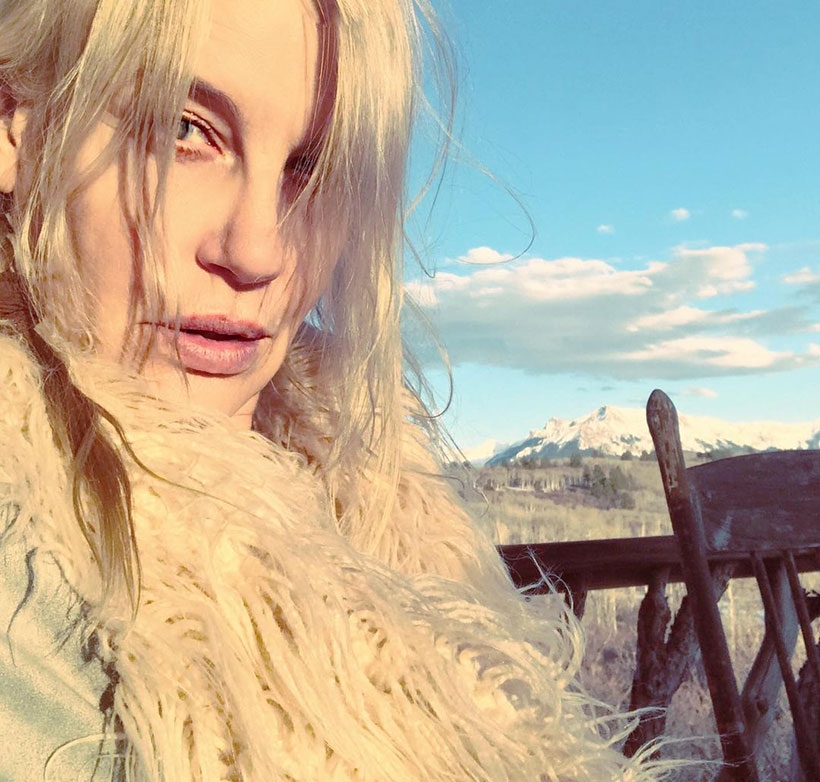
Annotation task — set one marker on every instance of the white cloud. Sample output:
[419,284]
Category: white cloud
[803,276]
[700,392]
[680,214]
[423,295]
[687,316]
[739,214]
[484,255]
[710,291]
[538,280]
[605,229]
[706,273]
[735,316]
[585,315]
[680,316]
[734,352]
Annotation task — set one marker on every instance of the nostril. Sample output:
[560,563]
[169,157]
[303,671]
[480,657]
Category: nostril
[233,276]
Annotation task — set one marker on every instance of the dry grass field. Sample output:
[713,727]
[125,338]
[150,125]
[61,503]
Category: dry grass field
[540,505]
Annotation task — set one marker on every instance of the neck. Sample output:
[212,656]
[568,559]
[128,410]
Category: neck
[243,418]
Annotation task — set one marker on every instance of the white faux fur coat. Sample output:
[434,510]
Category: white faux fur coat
[268,646]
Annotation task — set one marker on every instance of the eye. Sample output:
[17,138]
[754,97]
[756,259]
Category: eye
[196,139]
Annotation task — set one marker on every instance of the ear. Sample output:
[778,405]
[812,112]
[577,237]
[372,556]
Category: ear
[12,124]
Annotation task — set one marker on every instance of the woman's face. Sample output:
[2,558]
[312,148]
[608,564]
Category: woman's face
[241,293]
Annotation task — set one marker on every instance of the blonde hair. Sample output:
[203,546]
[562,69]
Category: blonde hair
[70,62]
[340,396]
[65,63]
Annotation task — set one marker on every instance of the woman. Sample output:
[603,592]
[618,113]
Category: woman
[226,555]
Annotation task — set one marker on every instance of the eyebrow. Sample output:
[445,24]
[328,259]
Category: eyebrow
[216,100]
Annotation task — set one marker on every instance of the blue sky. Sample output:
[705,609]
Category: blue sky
[668,155]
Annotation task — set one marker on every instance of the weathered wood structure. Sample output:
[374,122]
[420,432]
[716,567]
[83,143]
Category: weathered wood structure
[749,516]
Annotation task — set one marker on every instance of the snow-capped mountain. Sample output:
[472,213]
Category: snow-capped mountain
[481,453]
[614,430]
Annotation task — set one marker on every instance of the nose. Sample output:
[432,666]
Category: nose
[247,249]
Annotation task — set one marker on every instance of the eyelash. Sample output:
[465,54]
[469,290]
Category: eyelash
[188,153]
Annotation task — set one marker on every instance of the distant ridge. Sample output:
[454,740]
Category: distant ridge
[483,452]
[614,430]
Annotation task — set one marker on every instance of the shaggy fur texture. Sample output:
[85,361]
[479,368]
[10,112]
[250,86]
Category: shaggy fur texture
[272,645]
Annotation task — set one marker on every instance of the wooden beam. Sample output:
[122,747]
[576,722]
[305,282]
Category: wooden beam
[613,563]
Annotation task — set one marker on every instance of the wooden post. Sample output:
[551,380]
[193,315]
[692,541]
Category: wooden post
[806,745]
[650,685]
[663,424]
[661,664]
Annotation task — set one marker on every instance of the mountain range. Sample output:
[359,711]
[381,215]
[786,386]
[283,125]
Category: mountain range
[614,430]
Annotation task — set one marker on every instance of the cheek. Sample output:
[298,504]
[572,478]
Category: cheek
[100,236]
[197,205]
[319,261]
[96,217]
[104,253]
[308,284]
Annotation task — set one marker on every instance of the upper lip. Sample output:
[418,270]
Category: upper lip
[219,324]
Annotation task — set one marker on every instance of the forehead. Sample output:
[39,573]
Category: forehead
[263,55]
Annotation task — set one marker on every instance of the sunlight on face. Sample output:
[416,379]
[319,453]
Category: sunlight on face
[237,165]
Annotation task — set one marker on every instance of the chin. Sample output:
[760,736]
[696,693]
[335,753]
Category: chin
[233,392]
[227,394]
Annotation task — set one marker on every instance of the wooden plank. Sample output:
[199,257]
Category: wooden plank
[621,562]
[763,501]
[663,654]
[806,743]
[764,680]
[684,512]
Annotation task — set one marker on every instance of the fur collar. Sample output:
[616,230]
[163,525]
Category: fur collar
[268,646]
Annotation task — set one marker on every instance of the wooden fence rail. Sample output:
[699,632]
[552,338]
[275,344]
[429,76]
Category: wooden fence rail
[579,566]
[666,645]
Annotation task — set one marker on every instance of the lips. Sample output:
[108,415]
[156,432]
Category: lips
[214,344]
[221,326]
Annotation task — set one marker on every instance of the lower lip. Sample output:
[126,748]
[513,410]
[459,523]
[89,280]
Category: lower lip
[213,356]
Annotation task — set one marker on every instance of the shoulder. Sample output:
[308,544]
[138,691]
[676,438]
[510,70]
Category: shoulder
[50,685]
[31,467]
[18,372]
[20,383]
